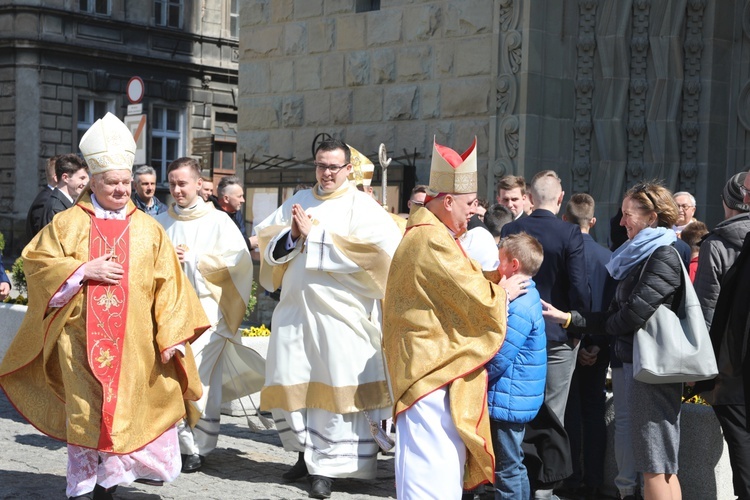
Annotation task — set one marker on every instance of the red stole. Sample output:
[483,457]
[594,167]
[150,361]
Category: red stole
[106,316]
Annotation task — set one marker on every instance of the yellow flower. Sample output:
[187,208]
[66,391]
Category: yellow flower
[256,331]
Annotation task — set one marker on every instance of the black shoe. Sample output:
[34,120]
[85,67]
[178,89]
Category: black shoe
[85,496]
[321,487]
[101,493]
[298,470]
[150,482]
[191,463]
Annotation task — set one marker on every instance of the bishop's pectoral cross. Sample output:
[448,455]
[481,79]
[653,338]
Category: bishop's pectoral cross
[113,251]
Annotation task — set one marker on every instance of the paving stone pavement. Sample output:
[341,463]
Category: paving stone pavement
[246,465]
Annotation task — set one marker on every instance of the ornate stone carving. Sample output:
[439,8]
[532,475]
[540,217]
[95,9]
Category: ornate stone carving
[512,53]
[690,127]
[507,90]
[509,58]
[638,88]
[508,15]
[509,129]
[584,86]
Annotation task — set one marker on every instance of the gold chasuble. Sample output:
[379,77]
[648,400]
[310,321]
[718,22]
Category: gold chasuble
[442,321]
[90,373]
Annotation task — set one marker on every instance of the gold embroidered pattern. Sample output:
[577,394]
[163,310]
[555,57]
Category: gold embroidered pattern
[108,299]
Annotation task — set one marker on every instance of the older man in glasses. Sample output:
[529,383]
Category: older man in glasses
[329,248]
[686,210]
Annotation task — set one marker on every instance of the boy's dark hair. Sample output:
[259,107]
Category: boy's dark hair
[526,249]
[496,217]
[580,210]
[69,164]
[693,234]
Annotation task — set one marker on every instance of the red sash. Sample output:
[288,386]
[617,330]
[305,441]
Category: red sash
[106,316]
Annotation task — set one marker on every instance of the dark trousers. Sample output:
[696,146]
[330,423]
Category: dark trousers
[733,420]
[584,422]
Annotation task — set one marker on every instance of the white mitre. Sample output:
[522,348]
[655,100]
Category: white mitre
[362,169]
[108,145]
[452,173]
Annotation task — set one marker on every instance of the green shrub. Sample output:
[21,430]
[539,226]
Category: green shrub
[252,301]
[18,277]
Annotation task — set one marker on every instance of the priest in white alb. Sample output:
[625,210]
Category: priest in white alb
[215,259]
[329,248]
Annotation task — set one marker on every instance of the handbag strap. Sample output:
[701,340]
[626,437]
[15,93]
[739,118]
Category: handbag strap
[689,298]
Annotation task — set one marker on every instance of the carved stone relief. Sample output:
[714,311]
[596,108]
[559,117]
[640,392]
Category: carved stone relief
[691,91]
[584,87]
[638,87]
[507,90]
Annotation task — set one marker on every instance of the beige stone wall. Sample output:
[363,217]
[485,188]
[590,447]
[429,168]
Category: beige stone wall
[400,75]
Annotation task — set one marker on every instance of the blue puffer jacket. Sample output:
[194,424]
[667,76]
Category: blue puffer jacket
[518,371]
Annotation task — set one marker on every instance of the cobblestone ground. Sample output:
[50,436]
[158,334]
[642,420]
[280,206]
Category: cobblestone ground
[246,465]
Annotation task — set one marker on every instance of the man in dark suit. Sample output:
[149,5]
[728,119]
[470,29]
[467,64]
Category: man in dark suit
[36,210]
[560,280]
[584,415]
[72,177]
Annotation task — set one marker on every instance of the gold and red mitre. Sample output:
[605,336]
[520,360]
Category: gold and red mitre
[108,145]
[451,173]
[362,169]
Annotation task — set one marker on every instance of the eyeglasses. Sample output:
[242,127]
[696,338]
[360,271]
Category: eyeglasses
[417,203]
[745,191]
[684,207]
[334,169]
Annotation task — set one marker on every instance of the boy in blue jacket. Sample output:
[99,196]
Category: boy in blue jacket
[518,371]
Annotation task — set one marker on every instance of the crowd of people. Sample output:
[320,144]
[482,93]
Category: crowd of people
[485,331]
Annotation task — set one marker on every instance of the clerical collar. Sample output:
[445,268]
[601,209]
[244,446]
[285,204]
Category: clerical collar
[192,208]
[319,194]
[101,213]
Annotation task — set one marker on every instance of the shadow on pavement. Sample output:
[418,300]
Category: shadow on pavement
[39,441]
[30,485]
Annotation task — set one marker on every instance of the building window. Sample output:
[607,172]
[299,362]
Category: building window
[102,7]
[225,157]
[234,18]
[90,110]
[168,13]
[166,128]
[367,5]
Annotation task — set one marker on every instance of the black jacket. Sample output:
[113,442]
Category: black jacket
[56,203]
[636,299]
[36,211]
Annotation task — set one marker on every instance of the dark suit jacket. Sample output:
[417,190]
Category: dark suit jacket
[602,290]
[36,211]
[3,277]
[562,278]
[57,203]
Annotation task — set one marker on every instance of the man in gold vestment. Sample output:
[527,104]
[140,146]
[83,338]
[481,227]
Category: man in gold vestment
[442,321]
[101,360]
